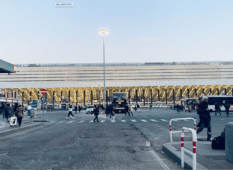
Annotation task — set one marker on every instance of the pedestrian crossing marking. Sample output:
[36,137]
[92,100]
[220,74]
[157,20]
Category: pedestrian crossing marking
[153,120]
[102,121]
[70,121]
[133,120]
[123,120]
[113,121]
[164,120]
[91,121]
[61,121]
[81,121]
[143,120]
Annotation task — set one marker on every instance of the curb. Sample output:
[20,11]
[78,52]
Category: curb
[7,132]
[174,154]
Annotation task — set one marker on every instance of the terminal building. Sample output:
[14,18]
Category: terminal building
[82,84]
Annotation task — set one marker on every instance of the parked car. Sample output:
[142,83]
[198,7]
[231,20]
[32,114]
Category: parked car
[89,109]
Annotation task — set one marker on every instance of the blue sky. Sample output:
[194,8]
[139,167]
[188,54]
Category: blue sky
[139,31]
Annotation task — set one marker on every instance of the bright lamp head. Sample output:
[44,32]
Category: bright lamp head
[103,32]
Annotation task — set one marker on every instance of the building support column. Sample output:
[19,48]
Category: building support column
[136,96]
[158,95]
[61,96]
[53,99]
[218,91]
[173,96]
[15,95]
[84,98]
[180,94]
[22,98]
[129,96]
[30,96]
[76,98]
[106,97]
[143,97]
[166,95]
[91,97]
[225,91]
[188,93]
[151,97]
[69,97]
[203,91]
[195,92]
[210,91]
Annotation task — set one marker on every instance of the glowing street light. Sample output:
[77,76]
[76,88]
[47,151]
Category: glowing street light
[104,32]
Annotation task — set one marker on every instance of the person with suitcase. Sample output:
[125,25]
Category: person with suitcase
[19,112]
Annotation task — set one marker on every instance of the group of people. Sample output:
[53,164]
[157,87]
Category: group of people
[218,110]
[15,111]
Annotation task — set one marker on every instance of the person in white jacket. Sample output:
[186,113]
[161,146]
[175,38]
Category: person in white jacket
[29,109]
[70,112]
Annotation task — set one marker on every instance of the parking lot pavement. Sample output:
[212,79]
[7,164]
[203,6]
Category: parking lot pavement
[128,142]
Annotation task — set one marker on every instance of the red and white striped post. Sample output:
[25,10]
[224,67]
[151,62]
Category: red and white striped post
[193,153]
[170,125]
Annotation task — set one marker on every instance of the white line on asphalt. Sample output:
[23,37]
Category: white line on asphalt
[81,121]
[102,121]
[154,120]
[91,121]
[70,121]
[133,120]
[157,158]
[164,120]
[143,120]
[61,121]
[123,120]
[113,121]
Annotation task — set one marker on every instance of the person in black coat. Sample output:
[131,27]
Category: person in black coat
[127,110]
[227,107]
[205,119]
[96,113]
[217,109]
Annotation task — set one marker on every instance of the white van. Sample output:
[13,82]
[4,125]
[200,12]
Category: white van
[89,109]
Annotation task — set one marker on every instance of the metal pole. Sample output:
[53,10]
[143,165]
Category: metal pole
[104,97]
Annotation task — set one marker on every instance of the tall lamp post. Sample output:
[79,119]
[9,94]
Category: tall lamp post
[104,32]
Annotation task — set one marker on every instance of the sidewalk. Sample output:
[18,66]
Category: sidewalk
[207,158]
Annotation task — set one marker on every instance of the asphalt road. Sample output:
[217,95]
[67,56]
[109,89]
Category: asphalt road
[129,142]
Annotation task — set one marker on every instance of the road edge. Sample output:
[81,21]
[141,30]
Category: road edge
[174,154]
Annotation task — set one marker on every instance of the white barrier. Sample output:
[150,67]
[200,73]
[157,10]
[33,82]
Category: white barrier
[186,150]
[170,125]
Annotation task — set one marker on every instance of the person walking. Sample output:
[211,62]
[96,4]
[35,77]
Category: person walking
[135,108]
[130,110]
[70,112]
[217,109]
[3,109]
[19,114]
[150,107]
[79,108]
[178,107]
[96,113]
[14,110]
[189,107]
[227,107]
[29,109]
[127,110]
[138,107]
[205,119]
[8,112]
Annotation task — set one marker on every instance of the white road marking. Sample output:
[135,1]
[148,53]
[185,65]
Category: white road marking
[164,120]
[81,121]
[113,121]
[153,120]
[123,120]
[91,121]
[133,120]
[143,120]
[70,121]
[61,121]
[102,121]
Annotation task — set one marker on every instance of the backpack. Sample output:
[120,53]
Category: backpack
[218,143]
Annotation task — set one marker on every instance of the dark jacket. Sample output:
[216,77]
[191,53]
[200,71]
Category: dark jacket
[96,111]
[126,108]
[227,106]
[204,114]
[8,110]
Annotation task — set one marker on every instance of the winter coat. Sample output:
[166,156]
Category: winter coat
[227,106]
[8,110]
[204,114]
[20,111]
[96,111]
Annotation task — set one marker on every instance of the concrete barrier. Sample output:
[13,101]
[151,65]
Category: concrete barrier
[229,141]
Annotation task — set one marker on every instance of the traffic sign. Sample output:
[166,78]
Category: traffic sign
[43,91]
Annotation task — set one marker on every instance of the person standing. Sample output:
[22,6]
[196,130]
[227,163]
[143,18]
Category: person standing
[138,107]
[96,113]
[150,107]
[79,108]
[19,114]
[7,112]
[70,112]
[217,109]
[227,107]
[127,110]
[3,109]
[178,107]
[29,109]
[205,119]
